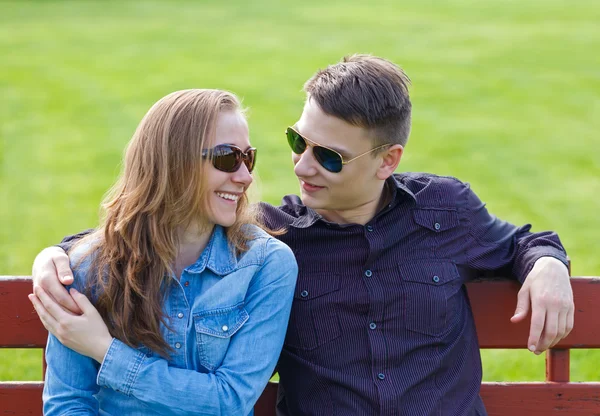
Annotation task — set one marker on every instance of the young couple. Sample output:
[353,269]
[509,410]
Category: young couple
[179,302]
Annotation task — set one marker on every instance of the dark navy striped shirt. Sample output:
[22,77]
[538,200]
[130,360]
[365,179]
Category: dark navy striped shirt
[381,322]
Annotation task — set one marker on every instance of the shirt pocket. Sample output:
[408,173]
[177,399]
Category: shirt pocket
[436,220]
[314,319]
[431,295]
[214,329]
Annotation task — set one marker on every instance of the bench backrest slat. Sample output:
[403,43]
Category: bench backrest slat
[493,302]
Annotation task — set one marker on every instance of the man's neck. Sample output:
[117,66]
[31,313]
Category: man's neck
[361,214]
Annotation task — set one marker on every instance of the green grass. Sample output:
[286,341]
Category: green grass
[505,96]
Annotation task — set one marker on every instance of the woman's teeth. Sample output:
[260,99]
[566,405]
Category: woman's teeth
[230,197]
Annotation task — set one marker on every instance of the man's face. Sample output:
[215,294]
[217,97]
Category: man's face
[349,189]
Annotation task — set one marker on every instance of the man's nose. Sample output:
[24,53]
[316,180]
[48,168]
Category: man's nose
[305,165]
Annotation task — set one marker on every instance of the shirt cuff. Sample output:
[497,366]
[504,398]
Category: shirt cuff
[527,261]
[120,367]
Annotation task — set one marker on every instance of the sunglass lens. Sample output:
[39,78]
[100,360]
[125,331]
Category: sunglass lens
[296,142]
[250,159]
[329,159]
[226,158]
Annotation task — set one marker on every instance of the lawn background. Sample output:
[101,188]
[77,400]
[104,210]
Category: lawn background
[506,96]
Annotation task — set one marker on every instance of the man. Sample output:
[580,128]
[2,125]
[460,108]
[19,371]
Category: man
[381,323]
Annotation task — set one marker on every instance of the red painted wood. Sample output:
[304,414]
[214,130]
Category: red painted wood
[494,302]
[20,326]
[21,398]
[558,365]
[541,399]
[267,401]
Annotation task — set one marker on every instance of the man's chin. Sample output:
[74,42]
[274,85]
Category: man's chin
[310,201]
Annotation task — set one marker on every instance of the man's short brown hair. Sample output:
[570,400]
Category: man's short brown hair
[368,92]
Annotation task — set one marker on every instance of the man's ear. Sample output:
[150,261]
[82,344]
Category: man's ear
[390,158]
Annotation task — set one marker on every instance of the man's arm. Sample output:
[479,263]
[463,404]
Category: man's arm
[51,270]
[537,260]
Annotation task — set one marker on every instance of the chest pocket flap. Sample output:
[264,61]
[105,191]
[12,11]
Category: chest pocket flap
[436,220]
[221,323]
[431,272]
[311,286]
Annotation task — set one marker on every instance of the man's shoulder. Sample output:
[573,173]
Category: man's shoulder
[283,215]
[433,190]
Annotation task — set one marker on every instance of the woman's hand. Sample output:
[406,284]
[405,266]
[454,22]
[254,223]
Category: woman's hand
[86,334]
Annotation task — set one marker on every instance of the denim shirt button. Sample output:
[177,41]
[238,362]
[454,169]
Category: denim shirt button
[304,293]
[437,226]
[177,345]
[436,279]
[224,328]
[380,376]
[180,315]
[368,273]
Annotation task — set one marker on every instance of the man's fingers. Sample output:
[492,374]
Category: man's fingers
[538,317]
[570,321]
[58,292]
[561,329]
[522,308]
[50,305]
[550,332]
[63,268]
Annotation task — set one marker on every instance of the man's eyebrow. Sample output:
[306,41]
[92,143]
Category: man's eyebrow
[344,153]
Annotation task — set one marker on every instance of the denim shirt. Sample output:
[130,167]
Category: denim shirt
[229,317]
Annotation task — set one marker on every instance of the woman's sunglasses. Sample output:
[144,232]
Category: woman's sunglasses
[328,158]
[229,158]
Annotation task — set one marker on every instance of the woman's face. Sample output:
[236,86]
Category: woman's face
[224,189]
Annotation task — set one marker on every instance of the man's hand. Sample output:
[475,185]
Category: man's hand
[86,333]
[51,270]
[547,289]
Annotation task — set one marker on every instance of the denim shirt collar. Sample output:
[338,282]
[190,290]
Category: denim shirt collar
[218,256]
[308,216]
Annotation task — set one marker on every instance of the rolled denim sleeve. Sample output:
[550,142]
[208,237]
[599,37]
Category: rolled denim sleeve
[497,244]
[235,386]
[70,383]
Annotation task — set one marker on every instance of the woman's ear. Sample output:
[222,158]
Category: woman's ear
[390,158]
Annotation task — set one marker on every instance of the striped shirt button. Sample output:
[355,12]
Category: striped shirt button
[372,325]
[436,279]
[368,273]
[437,226]
[369,228]
[380,376]
[304,293]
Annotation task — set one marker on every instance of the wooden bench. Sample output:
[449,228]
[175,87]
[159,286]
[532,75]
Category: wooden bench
[493,303]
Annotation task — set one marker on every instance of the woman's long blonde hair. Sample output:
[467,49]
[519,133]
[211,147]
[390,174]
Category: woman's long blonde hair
[160,190]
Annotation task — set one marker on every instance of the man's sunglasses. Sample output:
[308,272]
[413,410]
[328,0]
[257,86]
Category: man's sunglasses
[328,158]
[229,158]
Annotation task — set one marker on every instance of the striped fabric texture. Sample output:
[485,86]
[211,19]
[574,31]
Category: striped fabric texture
[381,322]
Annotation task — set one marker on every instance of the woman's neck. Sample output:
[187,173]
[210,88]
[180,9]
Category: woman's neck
[192,241]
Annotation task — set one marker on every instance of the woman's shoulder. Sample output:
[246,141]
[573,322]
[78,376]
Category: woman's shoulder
[81,259]
[262,246]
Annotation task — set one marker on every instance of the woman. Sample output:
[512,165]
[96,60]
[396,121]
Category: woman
[191,297]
